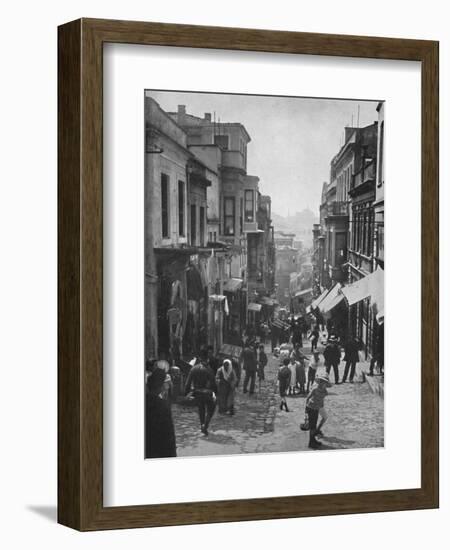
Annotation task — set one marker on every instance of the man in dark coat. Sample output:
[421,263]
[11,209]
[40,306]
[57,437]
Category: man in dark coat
[297,334]
[351,358]
[159,429]
[314,339]
[274,336]
[261,361]
[213,361]
[250,367]
[202,379]
[332,356]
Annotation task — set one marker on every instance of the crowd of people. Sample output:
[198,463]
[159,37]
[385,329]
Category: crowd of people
[212,382]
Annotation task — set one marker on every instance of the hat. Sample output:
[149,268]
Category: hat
[324,378]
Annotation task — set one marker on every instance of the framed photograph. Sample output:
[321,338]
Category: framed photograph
[248,274]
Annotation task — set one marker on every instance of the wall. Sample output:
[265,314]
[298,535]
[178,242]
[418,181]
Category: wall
[28,277]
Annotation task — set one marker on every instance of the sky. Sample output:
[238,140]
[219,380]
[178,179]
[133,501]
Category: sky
[292,139]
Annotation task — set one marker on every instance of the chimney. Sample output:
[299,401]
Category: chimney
[208,117]
[181,114]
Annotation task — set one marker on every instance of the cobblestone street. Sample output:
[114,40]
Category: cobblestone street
[355,421]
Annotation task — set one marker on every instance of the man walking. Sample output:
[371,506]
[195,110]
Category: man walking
[202,379]
[314,405]
[296,333]
[261,362]
[332,356]
[274,332]
[250,367]
[351,357]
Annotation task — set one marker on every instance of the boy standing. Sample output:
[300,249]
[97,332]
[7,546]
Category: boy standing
[314,403]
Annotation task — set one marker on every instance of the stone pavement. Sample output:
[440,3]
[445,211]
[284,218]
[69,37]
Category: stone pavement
[355,421]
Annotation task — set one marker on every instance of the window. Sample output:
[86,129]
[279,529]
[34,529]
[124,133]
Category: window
[369,250]
[249,205]
[165,205]
[340,251]
[241,216]
[365,233]
[193,225]
[222,141]
[181,208]
[252,255]
[215,236]
[202,226]
[229,214]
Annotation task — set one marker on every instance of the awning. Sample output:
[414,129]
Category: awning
[331,299]
[232,285]
[377,297]
[357,291]
[315,303]
[252,306]
[371,285]
[303,292]
[333,303]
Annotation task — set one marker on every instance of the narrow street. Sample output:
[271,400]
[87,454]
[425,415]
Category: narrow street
[355,420]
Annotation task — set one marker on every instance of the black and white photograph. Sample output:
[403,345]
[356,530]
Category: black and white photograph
[264,273]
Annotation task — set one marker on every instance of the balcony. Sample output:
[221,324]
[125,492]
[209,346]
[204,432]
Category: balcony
[233,159]
[336,208]
[364,176]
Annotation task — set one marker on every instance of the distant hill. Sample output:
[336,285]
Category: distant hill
[301,223]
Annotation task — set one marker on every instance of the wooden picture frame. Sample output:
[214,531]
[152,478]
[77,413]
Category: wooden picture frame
[80,272]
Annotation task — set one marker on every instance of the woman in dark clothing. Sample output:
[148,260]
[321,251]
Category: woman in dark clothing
[159,429]
[226,381]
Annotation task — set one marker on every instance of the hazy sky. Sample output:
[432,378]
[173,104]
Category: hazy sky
[293,139]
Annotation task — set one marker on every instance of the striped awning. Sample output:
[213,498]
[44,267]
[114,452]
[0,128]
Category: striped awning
[315,303]
[332,299]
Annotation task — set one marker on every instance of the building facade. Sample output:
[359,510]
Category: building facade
[362,231]
[348,244]
[209,241]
